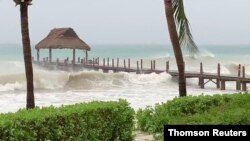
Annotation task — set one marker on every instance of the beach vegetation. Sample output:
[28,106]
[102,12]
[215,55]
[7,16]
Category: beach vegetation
[86,121]
[196,110]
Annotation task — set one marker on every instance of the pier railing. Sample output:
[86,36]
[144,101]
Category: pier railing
[114,65]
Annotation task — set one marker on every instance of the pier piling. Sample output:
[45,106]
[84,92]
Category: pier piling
[167,66]
[154,64]
[108,62]
[141,64]
[117,62]
[244,84]
[238,83]
[128,63]
[218,79]
[137,64]
[124,63]
[241,79]
[201,79]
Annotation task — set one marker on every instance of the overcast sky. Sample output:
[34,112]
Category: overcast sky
[129,21]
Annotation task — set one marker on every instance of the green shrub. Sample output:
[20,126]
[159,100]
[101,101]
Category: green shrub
[217,109]
[144,119]
[87,121]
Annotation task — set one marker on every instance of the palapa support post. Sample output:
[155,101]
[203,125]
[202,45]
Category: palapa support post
[108,62]
[74,57]
[38,55]
[137,64]
[124,62]
[117,62]
[84,61]
[218,75]
[238,83]
[50,55]
[86,56]
[47,59]
[103,62]
[167,66]
[201,79]
[67,58]
[141,64]
[81,61]
[98,61]
[128,63]
[244,84]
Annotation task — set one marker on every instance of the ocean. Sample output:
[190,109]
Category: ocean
[59,87]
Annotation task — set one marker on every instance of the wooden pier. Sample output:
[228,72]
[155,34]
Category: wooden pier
[241,79]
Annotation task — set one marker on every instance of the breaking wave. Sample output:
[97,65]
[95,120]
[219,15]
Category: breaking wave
[54,80]
[96,80]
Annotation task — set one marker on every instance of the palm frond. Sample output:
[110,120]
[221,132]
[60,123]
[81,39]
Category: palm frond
[185,36]
[17,2]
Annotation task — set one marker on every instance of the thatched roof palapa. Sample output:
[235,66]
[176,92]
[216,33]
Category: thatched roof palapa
[62,38]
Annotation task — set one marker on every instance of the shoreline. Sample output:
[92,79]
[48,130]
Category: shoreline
[12,103]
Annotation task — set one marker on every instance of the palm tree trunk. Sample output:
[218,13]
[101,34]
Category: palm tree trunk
[27,55]
[176,46]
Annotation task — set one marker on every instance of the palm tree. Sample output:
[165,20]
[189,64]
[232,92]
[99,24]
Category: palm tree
[175,14]
[30,102]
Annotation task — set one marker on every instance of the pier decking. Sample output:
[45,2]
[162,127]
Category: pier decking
[241,79]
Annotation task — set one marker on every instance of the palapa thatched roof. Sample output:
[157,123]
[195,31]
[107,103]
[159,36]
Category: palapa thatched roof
[62,38]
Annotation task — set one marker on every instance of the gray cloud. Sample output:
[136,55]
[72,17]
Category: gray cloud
[128,21]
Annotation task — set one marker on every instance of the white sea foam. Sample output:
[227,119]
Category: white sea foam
[87,80]
[59,87]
